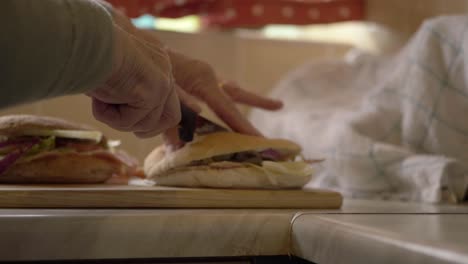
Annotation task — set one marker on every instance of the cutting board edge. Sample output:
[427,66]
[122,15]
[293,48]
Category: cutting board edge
[171,198]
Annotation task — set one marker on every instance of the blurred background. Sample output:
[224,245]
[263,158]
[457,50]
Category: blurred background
[256,42]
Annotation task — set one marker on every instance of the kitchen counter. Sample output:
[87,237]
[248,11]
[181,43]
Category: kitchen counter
[361,232]
[406,238]
[122,234]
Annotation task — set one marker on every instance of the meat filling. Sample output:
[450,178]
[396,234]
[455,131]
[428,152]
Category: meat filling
[252,157]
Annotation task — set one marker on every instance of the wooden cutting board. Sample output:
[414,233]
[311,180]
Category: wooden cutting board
[115,196]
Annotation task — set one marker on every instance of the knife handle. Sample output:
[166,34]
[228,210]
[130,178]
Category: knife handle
[187,123]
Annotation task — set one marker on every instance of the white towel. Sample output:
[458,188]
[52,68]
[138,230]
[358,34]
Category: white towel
[389,128]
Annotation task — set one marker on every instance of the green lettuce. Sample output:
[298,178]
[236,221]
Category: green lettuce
[45,144]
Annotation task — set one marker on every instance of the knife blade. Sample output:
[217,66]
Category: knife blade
[188,123]
[193,123]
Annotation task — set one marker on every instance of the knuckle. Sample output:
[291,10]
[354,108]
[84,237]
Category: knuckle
[234,92]
[202,68]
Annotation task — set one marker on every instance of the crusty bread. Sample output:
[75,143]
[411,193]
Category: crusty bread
[56,166]
[173,168]
[12,125]
[211,145]
[63,168]
[238,176]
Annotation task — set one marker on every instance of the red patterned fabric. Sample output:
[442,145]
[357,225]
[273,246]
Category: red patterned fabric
[248,13]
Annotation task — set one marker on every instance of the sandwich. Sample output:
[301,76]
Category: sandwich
[38,149]
[229,160]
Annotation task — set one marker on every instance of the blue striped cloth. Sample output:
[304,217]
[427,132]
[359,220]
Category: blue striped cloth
[389,127]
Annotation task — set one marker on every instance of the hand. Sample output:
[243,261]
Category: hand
[139,96]
[196,80]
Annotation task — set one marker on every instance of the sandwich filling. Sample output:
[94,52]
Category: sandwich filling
[269,160]
[252,157]
[30,145]
[229,160]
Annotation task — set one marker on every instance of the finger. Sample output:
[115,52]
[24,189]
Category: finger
[129,95]
[242,96]
[107,95]
[228,112]
[119,116]
[188,100]
[160,118]
[103,111]
[155,125]
[171,139]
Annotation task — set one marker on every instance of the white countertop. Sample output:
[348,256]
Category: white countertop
[361,232]
[102,234]
[408,238]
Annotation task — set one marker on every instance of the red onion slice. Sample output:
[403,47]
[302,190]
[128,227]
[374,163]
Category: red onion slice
[12,157]
[18,141]
[271,154]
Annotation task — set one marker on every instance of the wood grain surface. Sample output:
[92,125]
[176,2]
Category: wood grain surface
[114,196]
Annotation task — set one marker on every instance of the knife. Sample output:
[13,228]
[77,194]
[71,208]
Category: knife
[192,123]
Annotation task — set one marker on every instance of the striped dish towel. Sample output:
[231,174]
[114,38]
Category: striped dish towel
[389,127]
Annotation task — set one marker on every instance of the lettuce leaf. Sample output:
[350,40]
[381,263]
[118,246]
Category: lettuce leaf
[95,136]
[45,144]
